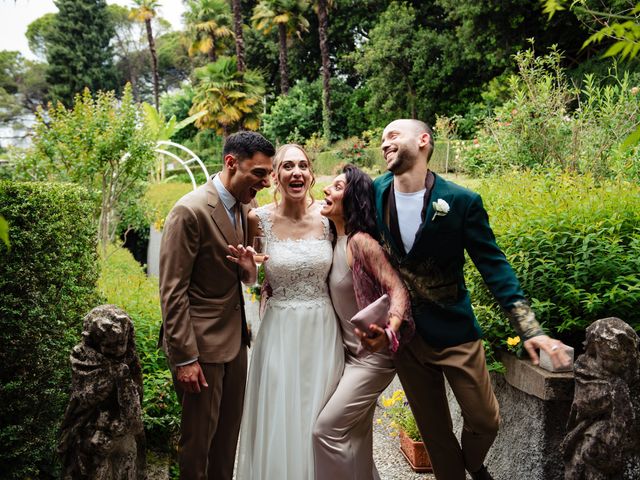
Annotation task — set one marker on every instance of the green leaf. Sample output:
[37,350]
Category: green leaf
[632,139]
[189,120]
[4,231]
[614,49]
[552,6]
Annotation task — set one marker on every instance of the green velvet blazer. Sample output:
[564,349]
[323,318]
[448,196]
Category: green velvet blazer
[433,269]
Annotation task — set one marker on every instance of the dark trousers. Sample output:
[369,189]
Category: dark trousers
[210,422]
[422,369]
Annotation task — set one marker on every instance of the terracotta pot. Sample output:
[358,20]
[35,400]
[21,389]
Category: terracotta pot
[415,453]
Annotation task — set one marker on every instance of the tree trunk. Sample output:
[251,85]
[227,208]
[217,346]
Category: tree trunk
[154,63]
[237,26]
[212,53]
[323,28]
[284,69]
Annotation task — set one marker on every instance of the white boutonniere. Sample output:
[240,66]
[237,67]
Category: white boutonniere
[441,208]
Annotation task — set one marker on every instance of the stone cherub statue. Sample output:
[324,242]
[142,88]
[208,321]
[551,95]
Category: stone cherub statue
[102,434]
[604,424]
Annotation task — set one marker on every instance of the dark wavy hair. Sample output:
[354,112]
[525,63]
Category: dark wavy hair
[358,203]
[244,144]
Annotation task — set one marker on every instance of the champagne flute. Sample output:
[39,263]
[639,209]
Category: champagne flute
[260,249]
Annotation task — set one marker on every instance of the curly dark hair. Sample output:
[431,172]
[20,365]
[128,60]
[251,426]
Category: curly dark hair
[358,203]
[244,144]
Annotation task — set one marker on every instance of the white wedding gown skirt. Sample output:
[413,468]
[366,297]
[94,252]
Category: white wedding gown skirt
[296,363]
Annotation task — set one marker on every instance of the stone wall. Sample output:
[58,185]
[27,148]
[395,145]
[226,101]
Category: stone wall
[534,409]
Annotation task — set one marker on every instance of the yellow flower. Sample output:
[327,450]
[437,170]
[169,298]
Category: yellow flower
[253,298]
[159,224]
[379,421]
[512,342]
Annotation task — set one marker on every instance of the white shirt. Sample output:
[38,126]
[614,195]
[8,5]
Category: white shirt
[409,207]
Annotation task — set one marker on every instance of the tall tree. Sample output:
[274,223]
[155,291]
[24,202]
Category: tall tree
[37,32]
[23,87]
[78,50]
[288,17]
[237,27]
[322,10]
[145,11]
[386,62]
[232,99]
[209,26]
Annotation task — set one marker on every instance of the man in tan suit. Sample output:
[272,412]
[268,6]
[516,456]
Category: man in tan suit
[204,327]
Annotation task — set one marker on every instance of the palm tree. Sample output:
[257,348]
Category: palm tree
[322,10]
[288,17]
[209,26]
[145,11]
[237,27]
[232,99]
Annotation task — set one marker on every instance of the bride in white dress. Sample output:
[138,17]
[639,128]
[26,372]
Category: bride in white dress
[297,358]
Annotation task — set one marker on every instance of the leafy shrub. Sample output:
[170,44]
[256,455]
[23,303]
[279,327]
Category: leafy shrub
[354,151]
[124,283]
[100,144]
[47,284]
[546,123]
[575,246]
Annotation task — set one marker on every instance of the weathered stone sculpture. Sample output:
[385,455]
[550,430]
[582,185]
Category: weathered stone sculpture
[102,435]
[603,438]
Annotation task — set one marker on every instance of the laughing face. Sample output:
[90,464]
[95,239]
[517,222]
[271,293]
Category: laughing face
[333,195]
[294,176]
[401,142]
[249,176]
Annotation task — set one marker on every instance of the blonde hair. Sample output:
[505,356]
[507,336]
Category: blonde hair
[277,163]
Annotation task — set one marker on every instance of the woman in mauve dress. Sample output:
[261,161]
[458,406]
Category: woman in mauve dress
[360,274]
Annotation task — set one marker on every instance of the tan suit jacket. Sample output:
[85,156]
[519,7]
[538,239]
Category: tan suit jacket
[200,292]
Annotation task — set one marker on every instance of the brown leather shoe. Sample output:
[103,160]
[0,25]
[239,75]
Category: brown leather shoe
[482,474]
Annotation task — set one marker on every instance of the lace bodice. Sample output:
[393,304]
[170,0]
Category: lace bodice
[297,269]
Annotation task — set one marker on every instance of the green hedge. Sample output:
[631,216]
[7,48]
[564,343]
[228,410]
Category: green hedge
[575,246]
[47,284]
[124,283]
[327,163]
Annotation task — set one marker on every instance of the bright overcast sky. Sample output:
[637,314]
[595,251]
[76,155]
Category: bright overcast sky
[15,15]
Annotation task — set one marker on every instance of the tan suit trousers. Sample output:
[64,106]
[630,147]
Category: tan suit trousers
[211,421]
[421,369]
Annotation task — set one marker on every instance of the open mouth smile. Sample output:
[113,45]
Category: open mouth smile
[296,186]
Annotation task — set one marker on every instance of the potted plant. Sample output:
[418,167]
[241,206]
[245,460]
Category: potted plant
[411,444]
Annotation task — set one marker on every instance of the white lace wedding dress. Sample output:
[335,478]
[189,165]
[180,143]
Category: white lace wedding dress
[296,361]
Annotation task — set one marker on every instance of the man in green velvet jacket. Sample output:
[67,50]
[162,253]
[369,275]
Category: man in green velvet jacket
[426,223]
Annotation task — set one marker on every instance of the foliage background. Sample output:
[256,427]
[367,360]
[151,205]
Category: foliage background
[47,284]
[574,243]
[124,283]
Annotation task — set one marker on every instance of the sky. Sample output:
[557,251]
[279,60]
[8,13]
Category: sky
[15,15]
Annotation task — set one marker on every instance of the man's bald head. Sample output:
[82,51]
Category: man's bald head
[413,127]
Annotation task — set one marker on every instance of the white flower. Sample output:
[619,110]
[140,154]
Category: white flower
[441,208]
